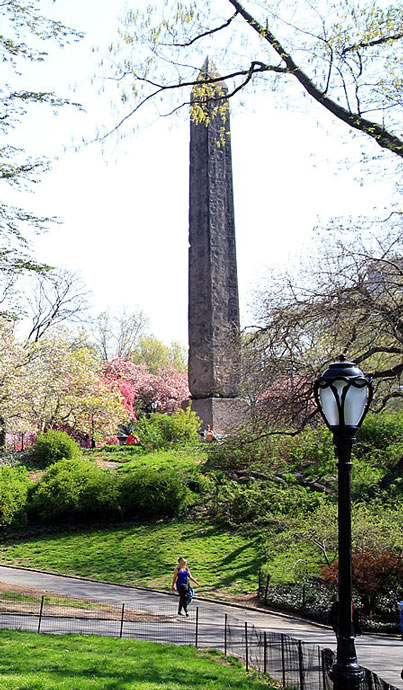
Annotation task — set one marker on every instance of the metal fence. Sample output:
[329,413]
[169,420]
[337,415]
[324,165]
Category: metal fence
[295,664]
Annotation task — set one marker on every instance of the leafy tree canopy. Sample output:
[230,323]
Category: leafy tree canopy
[344,55]
[25,33]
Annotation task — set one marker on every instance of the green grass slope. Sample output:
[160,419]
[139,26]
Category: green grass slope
[72,662]
[145,555]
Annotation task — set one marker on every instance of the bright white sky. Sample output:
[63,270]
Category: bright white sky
[125,211]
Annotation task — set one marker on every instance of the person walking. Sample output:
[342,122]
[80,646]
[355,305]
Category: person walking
[181,579]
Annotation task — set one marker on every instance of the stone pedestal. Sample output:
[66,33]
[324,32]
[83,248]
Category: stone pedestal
[225,415]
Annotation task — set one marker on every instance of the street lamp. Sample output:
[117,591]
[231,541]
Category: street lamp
[343,395]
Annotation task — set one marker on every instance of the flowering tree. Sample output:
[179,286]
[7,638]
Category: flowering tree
[163,391]
[63,389]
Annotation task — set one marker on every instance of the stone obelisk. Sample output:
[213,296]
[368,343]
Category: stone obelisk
[213,315]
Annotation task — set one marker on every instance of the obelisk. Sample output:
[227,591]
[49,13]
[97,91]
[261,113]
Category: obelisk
[213,312]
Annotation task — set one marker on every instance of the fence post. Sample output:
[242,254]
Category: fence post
[369,678]
[265,652]
[301,666]
[246,648]
[225,633]
[283,658]
[121,620]
[322,666]
[40,613]
[197,626]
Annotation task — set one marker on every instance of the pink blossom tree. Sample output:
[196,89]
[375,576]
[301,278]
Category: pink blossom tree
[163,391]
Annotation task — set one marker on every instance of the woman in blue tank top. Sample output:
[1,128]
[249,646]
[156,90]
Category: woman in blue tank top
[181,578]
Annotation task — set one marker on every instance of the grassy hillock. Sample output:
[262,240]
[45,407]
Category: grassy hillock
[146,555]
[55,662]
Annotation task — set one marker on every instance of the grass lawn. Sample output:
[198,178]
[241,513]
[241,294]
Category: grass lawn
[145,555]
[133,457]
[29,661]
[176,460]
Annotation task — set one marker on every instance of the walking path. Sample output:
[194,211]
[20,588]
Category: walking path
[380,653]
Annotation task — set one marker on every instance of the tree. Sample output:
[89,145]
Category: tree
[56,297]
[152,352]
[117,335]
[13,365]
[343,56]
[61,387]
[349,301]
[25,32]
[162,392]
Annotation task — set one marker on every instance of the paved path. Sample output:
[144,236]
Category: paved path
[382,654]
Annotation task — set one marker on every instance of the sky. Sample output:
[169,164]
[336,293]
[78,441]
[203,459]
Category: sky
[124,209]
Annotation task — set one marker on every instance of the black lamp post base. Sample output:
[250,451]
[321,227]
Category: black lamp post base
[346,675]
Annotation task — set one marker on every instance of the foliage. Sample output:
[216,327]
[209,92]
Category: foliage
[55,383]
[13,365]
[245,450]
[75,489]
[167,431]
[365,479]
[298,545]
[157,356]
[120,453]
[375,573]
[380,432]
[25,36]
[311,451]
[13,496]
[150,494]
[53,446]
[345,60]
[164,391]
[64,388]
[261,502]
[88,662]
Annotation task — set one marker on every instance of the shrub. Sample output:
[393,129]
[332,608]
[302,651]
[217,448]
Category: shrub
[238,504]
[14,485]
[243,451]
[54,446]
[375,573]
[365,479]
[151,493]
[379,431]
[74,489]
[313,450]
[166,431]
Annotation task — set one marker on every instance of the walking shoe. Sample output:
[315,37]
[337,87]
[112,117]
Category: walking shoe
[187,615]
[180,613]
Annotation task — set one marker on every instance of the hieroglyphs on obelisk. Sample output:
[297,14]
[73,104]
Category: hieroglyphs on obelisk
[213,314]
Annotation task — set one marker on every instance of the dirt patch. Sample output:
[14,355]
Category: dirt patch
[109,464]
[35,476]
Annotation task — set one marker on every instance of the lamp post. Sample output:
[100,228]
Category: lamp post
[343,395]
